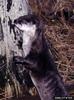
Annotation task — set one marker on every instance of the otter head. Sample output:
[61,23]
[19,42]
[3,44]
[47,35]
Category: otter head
[28,28]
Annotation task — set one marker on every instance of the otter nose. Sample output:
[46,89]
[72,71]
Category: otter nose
[16,21]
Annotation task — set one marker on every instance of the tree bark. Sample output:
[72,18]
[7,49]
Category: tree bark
[10,10]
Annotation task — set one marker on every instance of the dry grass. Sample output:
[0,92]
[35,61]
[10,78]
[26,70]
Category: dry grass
[59,33]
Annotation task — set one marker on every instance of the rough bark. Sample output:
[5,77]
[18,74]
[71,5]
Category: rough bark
[10,10]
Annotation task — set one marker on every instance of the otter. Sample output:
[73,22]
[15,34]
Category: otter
[37,59]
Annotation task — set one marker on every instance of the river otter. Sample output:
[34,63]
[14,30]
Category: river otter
[37,59]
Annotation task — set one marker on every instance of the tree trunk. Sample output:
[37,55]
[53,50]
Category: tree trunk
[10,10]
